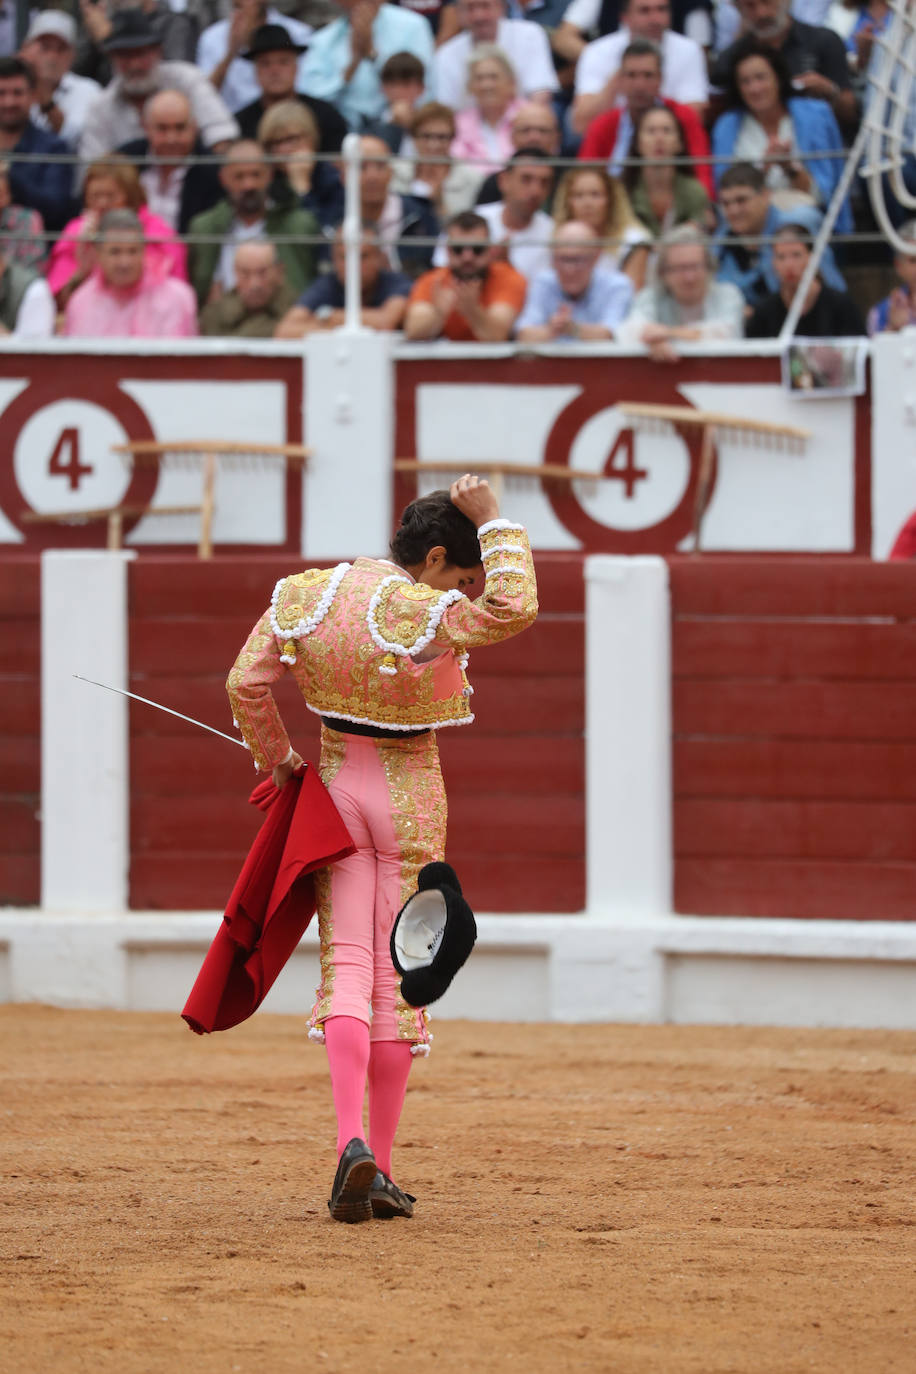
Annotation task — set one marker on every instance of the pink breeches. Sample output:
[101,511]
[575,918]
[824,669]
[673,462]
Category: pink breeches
[390,796]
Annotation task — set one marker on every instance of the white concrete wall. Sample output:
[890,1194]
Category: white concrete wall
[349,410]
[84,778]
[893,446]
[628,736]
[627,958]
[524,968]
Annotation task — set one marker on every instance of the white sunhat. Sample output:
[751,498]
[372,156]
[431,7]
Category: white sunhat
[53,22]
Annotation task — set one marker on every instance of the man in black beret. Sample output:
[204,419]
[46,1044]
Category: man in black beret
[275,58]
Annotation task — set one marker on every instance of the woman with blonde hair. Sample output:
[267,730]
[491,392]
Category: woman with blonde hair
[483,132]
[450,186]
[112,183]
[289,132]
[591,196]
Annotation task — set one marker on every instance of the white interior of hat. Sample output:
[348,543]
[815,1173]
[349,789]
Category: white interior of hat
[420,929]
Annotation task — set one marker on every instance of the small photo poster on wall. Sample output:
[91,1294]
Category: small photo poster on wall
[816,368]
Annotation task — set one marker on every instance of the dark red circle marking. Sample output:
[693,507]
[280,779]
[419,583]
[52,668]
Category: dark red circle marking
[595,536]
[13,501]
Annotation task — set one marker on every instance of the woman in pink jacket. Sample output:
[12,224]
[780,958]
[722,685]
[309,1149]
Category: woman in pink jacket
[483,134]
[113,183]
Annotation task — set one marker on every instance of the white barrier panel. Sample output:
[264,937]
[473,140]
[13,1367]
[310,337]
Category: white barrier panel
[524,968]
[893,462]
[349,405]
[628,736]
[84,765]
[365,393]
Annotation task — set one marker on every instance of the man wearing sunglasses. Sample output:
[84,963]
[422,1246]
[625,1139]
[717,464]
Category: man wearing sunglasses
[471,299]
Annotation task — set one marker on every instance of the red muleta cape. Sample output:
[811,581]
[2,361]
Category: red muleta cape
[272,902]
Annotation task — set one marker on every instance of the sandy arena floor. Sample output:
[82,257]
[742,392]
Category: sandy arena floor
[599,1198]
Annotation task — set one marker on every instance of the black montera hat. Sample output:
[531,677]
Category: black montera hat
[272,38]
[131,29]
[433,935]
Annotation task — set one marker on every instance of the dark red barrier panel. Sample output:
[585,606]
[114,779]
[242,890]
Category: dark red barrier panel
[515,777]
[20,731]
[794,738]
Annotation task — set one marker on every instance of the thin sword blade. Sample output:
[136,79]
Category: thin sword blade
[159,707]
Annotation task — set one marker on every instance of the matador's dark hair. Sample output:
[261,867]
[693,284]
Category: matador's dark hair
[432,520]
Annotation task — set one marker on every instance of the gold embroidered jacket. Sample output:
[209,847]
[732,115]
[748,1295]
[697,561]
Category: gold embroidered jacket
[350,635]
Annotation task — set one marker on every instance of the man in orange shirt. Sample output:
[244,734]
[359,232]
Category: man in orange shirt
[472,299]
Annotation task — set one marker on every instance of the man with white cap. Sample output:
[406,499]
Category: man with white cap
[61,97]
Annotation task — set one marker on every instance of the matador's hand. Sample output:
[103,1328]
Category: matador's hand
[284,771]
[474,498]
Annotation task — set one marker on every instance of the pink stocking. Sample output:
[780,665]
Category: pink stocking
[347,1041]
[389,1066]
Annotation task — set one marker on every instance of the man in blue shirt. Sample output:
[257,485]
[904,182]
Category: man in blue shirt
[321,305]
[346,57]
[575,299]
[42,186]
[749,214]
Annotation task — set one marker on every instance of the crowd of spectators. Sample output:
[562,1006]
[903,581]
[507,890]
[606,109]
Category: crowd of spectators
[172,167]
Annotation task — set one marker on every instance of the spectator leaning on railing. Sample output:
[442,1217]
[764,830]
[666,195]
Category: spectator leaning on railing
[524,43]
[114,116]
[750,215]
[62,98]
[685,303]
[576,299]
[258,301]
[121,299]
[41,186]
[275,59]
[470,299]
[383,293]
[249,212]
[176,186]
[825,313]
[608,136]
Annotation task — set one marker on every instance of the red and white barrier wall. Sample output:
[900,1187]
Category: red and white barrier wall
[712,814]
[360,401]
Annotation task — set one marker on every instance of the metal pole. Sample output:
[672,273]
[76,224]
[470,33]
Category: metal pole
[352,235]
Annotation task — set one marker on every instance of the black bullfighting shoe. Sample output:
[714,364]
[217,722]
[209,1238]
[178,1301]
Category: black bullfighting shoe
[388,1200]
[352,1183]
